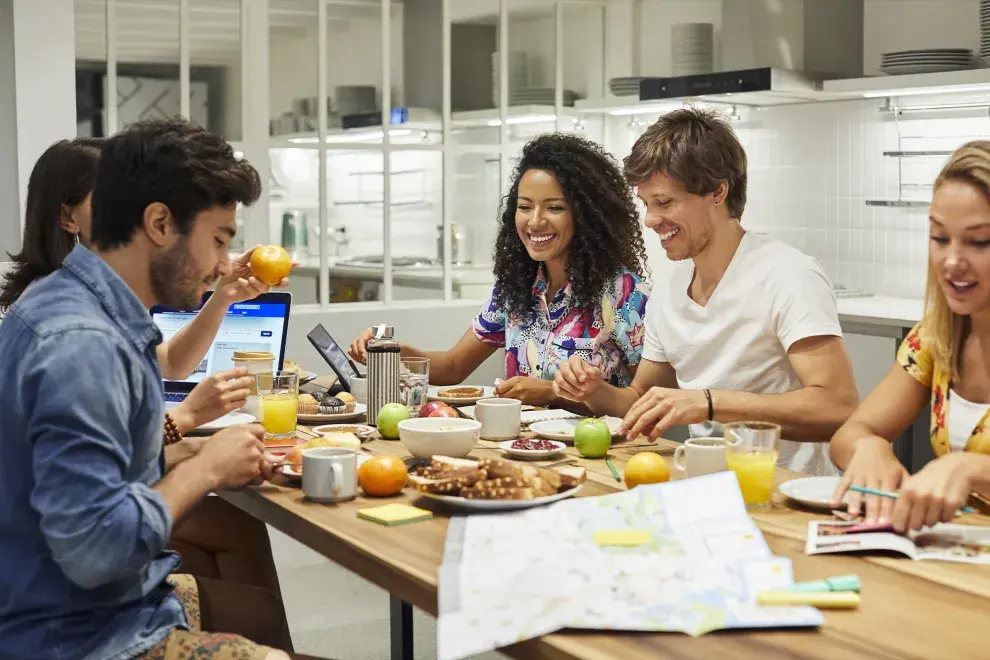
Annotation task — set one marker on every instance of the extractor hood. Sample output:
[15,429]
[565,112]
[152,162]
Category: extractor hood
[775,52]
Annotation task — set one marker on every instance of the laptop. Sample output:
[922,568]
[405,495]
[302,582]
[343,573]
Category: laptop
[260,324]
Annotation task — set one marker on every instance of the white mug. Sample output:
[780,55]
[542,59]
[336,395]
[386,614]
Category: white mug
[500,418]
[698,456]
[359,389]
[329,474]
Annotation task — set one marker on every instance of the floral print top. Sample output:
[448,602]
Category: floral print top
[555,330]
[917,360]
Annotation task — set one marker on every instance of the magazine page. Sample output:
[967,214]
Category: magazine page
[947,542]
[826,537]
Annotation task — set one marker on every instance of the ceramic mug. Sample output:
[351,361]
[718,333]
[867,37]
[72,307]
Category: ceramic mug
[329,474]
[359,389]
[500,418]
[698,456]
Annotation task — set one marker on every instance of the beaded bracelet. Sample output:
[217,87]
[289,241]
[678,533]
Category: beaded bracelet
[172,434]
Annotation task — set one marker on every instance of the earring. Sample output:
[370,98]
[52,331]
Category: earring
[75,238]
[717,202]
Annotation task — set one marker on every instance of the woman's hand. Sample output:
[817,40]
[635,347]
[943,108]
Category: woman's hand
[240,285]
[938,491]
[531,391]
[217,395]
[359,347]
[873,465]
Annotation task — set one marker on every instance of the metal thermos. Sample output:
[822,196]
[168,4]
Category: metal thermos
[383,370]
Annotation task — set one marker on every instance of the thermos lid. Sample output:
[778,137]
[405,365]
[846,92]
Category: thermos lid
[382,332]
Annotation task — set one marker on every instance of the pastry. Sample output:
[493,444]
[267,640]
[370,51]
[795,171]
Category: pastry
[308,405]
[331,405]
[494,479]
[349,401]
[461,393]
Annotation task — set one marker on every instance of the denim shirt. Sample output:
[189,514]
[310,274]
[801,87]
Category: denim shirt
[82,533]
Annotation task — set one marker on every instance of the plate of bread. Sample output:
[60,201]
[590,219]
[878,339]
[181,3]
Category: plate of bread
[495,484]
[292,458]
[461,394]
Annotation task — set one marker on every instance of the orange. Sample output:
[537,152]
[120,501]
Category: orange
[646,467]
[271,263]
[382,475]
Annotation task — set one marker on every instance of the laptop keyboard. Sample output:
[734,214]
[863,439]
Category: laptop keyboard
[175,397]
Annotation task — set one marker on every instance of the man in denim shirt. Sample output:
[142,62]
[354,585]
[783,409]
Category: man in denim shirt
[85,510]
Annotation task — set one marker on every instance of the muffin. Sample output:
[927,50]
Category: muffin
[349,401]
[308,405]
[331,405]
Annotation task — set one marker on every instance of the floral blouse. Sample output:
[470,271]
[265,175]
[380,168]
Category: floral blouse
[554,330]
[917,360]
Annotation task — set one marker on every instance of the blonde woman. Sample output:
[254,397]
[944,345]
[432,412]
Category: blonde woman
[945,360]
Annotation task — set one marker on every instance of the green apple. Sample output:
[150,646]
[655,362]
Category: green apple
[592,437]
[388,419]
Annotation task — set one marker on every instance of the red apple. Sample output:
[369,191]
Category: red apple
[427,408]
[446,411]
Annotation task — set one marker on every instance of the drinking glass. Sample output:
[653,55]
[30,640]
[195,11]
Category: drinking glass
[414,381]
[279,405]
[751,452]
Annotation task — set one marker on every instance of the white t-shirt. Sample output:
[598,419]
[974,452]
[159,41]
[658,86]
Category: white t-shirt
[770,297]
[964,415]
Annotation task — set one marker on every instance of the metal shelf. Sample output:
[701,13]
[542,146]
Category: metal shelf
[898,203]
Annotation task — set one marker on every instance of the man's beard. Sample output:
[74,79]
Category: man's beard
[174,280]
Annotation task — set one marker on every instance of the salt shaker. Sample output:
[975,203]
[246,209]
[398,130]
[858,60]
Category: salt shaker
[383,370]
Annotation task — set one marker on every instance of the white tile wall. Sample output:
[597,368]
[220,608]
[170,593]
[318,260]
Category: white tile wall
[812,168]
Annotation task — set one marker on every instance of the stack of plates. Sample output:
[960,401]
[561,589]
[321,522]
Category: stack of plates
[985,29]
[692,48]
[518,73]
[539,96]
[932,60]
[624,86]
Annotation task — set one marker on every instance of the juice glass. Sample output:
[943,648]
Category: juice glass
[279,405]
[751,452]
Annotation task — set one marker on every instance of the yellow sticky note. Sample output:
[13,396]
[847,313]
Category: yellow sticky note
[625,538]
[394,514]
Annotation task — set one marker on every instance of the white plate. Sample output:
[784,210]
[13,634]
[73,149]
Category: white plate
[500,505]
[563,429]
[433,394]
[532,454]
[359,409]
[814,492]
[362,430]
[235,418]
[291,472]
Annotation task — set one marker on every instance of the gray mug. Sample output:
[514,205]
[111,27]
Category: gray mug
[329,474]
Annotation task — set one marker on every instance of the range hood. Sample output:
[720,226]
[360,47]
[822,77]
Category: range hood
[775,52]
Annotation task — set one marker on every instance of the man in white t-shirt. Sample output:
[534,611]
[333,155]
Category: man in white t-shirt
[745,328]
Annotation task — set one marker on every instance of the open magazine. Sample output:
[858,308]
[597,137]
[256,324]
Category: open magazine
[945,542]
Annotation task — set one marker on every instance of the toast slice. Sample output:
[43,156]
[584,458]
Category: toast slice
[571,476]
[449,483]
[488,490]
[461,392]
[552,478]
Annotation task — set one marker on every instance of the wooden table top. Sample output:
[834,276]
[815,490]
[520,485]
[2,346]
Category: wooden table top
[910,609]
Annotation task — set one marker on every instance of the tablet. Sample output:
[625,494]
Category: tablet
[334,356]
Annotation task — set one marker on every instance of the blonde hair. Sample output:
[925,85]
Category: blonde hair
[943,330]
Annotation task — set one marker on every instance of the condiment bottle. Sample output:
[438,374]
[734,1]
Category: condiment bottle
[383,370]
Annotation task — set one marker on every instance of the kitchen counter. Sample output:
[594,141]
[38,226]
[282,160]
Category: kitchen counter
[887,311]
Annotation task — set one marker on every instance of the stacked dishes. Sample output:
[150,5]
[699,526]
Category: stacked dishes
[692,48]
[518,73]
[985,30]
[931,60]
[625,86]
[539,96]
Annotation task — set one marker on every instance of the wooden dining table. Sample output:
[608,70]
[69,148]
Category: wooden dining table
[910,609]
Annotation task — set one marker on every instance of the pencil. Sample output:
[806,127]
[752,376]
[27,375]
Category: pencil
[608,462]
[893,496]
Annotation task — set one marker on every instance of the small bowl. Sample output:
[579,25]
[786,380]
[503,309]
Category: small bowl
[425,437]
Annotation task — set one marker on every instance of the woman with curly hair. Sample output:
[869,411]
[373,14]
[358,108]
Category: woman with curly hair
[570,266]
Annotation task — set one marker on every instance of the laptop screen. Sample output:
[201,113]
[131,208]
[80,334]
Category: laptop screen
[256,325]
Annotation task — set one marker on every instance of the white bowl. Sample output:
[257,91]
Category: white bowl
[425,437]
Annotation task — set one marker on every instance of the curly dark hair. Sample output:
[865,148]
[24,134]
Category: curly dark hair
[607,235]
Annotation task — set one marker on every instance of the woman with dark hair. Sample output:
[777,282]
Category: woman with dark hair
[569,276]
[216,540]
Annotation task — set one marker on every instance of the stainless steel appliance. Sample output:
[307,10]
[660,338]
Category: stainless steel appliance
[460,244]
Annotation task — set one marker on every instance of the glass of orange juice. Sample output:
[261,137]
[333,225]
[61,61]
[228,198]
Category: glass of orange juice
[279,405]
[751,452]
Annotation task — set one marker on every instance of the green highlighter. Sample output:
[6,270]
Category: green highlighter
[838,583]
